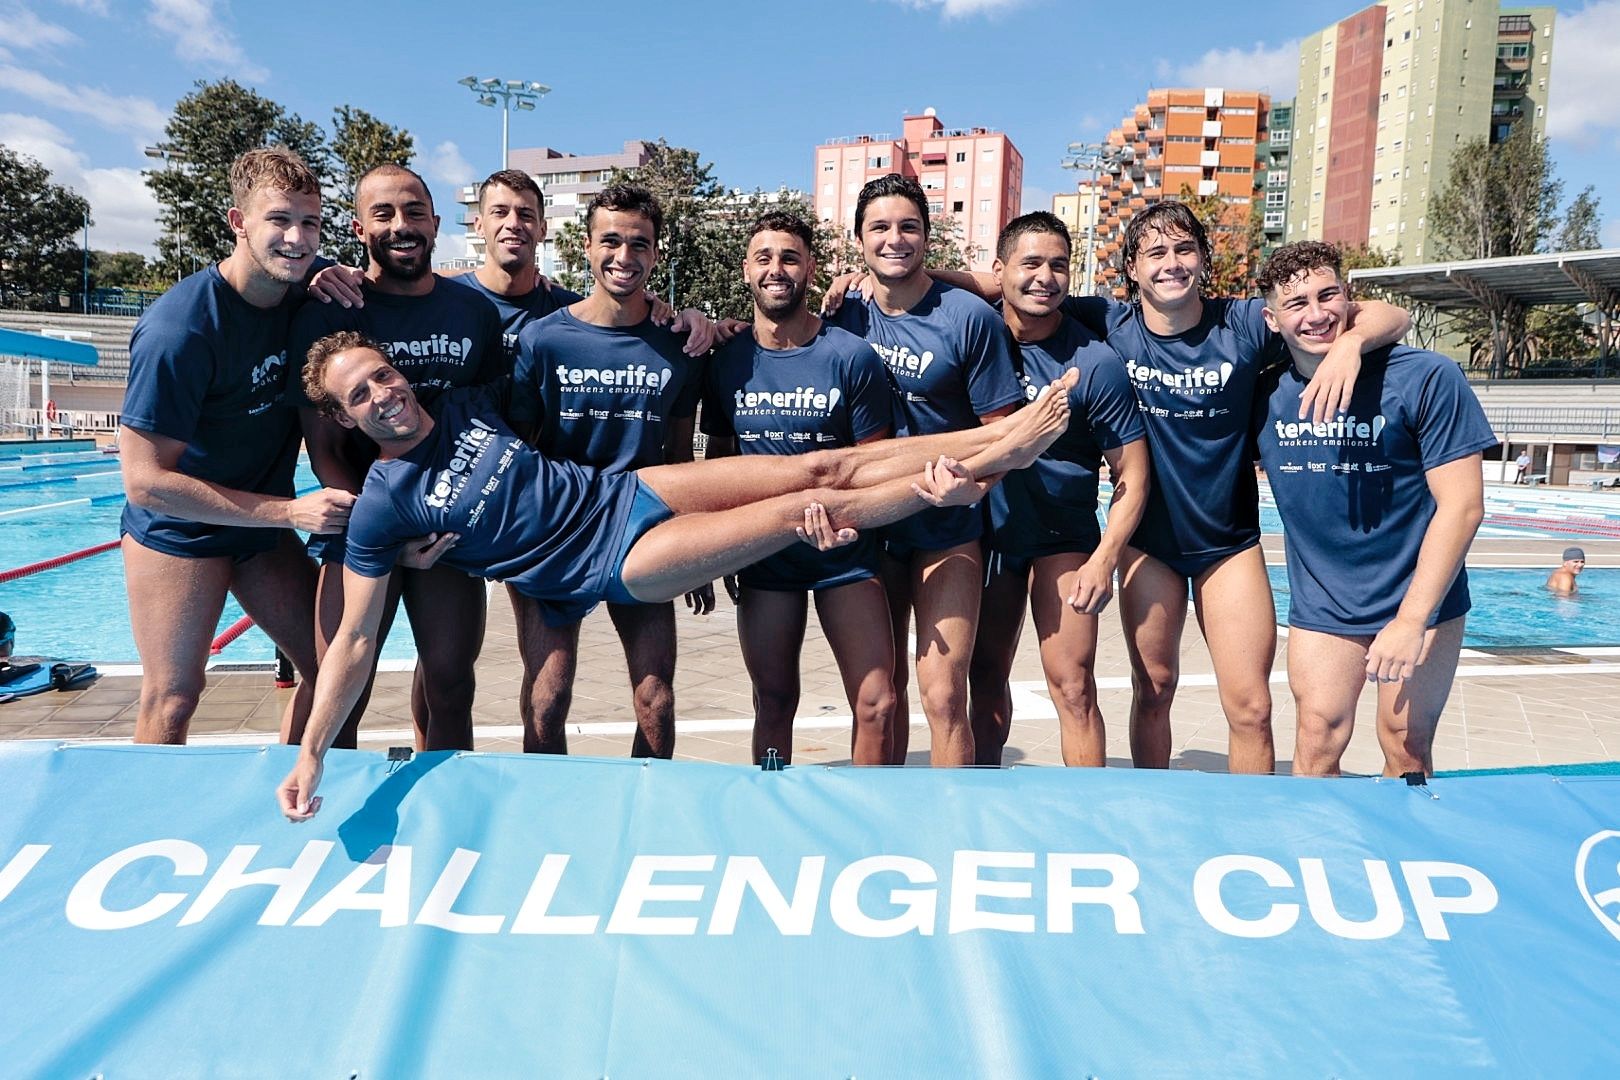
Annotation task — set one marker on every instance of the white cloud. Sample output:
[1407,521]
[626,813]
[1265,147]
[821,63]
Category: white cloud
[201,39]
[22,29]
[1274,69]
[122,207]
[963,9]
[94,7]
[445,165]
[452,244]
[131,115]
[1583,61]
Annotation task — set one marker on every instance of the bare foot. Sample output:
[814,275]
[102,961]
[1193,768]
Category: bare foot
[1041,422]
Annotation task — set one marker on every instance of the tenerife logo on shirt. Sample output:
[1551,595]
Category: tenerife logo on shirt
[267,375]
[433,347]
[800,401]
[902,361]
[1346,429]
[1198,380]
[636,378]
[470,445]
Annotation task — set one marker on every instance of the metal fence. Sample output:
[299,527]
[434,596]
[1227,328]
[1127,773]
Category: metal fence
[129,302]
[1600,422]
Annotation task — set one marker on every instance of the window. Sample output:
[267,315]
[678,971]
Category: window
[987,154]
[984,206]
[879,161]
[1276,198]
[828,165]
[852,188]
[935,206]
[827,190]
[958,181]
[956,207]
[961,156]
[933,181]
[984,181]
[982,228]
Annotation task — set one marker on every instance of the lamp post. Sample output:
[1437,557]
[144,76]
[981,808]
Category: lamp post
[87,261]
[1096,158]
[510,94]
[165,153]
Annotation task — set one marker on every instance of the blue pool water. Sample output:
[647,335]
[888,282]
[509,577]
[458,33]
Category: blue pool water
[52,504]
[1513,609]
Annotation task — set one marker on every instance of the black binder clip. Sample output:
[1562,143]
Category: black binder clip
[397,756]
[1420,781]
[773,761]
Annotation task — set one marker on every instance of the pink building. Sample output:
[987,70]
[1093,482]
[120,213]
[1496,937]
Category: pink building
[973,175]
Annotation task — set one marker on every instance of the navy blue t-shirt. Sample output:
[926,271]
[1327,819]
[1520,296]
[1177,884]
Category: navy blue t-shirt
[1352,492]
[949,362]
[1196,393]
[450,337]
[549,528]
[210,370]
[1051,507]
[827,394]
[516,312]
[602,395]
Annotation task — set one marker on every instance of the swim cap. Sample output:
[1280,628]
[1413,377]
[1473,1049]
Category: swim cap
[1574,553]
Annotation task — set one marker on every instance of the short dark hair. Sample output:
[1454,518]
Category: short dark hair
[891,184]
[320,355]
[784,222]
[1296,260]
[1170,216]
[1036,221]
[626,198]
[513,180]
[389,168]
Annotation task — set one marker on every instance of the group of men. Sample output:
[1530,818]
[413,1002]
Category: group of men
[917,453]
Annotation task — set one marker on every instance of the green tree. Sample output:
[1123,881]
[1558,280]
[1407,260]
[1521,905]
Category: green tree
[1234,246]
[360,142]
[209,129]
[122,270]
[1583,226]
[39,226]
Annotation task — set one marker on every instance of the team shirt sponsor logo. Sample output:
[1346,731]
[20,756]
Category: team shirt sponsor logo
[1346,429]
[902,361]
[637,378]
[1197,380]
[800,401]
[470,446]
[267,375]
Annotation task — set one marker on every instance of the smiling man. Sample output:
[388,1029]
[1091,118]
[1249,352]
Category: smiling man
[1379,505]
[572,535]
[208,452]
[440,336]
[599,383]
[791,386]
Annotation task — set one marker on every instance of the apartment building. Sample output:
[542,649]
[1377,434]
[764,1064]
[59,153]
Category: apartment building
[974,175]
[1388,95]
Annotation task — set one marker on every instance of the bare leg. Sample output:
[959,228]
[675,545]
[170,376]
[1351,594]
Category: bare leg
[770,626]
[989,450]
[550,656]
[897,588]
[1409,711]
[174,606]
[647,632]
[1152,609]
[447,618]
[277,590]
[945,595]
[995,645]
[866,662]
[1237,592]
[1326,673]
[328,616]
[1068,655]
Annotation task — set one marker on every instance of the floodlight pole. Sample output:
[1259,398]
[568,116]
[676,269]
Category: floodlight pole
[1096,158]
[512,94]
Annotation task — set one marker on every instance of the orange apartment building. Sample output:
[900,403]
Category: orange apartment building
[974,175]
[1205,141]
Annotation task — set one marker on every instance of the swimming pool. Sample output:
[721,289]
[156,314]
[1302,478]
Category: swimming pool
[55,503]
[1513,609]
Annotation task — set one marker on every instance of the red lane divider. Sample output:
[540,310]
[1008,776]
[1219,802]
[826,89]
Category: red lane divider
[52,564]
[1579,526]
[232,632]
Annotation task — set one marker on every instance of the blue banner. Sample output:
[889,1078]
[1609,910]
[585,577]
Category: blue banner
[492,916]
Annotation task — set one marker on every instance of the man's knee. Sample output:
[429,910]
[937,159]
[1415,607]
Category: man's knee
[1076,689]
[1153,685]
[875,702]
[653,697]
[166,710]
[1248,709]
[944,699]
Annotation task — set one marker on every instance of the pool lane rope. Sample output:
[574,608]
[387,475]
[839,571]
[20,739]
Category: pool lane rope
[231,633]
[52,564]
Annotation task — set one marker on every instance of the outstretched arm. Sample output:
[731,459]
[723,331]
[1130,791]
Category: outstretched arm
[153,481]
[1094,585]
[1458,488]
[337,687]
[1372,324]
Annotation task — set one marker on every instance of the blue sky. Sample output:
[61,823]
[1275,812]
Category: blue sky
[84,84]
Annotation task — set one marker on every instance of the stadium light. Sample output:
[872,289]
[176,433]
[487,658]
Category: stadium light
[1096,158]
[510,94]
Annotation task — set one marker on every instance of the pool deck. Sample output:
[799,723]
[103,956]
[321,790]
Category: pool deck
[1518,708]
